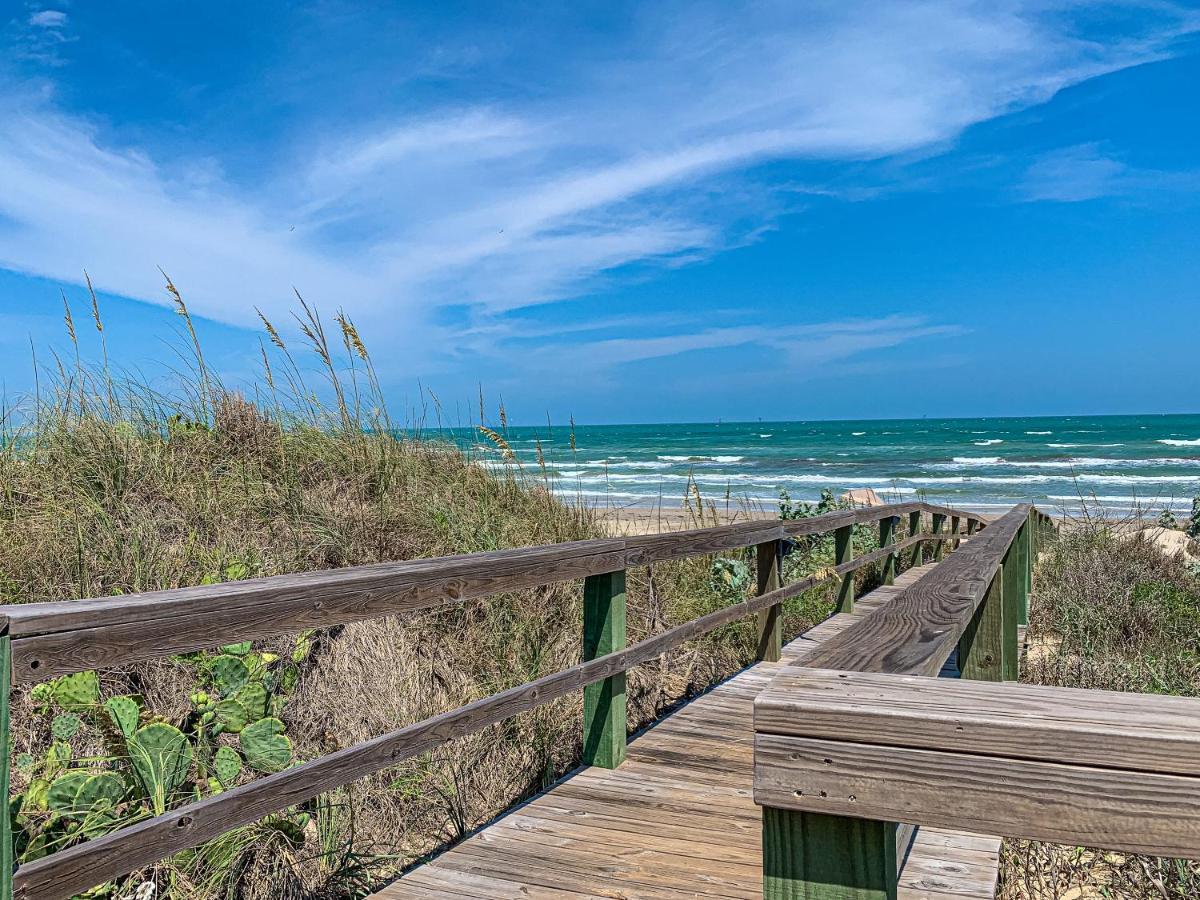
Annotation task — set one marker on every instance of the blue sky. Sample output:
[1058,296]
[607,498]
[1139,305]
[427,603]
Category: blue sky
[644,212]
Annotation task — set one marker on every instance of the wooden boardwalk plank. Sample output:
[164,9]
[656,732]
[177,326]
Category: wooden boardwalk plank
[678,818]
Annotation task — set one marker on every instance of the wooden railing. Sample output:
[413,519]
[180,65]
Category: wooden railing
[855,738]
[43,640]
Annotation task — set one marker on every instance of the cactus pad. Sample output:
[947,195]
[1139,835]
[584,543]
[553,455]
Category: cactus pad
[228,765]
[162,758]
[231,716]
[266,747]
[229,674]
[237,649]
[78,692]
[124,713]
[253,698]
[65,726]
[61,797]
[101,792]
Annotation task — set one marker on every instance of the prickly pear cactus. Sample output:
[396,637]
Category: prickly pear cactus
[101,793]
[265,746]
[230,716]
[61,797]
[124,713]
[237,649]
[229,674]
[162,758]
[78,692]
[253,698]
[228,765]
[65,726]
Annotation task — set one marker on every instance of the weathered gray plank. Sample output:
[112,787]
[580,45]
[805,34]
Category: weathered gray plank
[1067,804]
[1106,729]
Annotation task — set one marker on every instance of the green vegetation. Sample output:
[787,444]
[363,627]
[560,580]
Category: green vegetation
[110,485]
[1111,612]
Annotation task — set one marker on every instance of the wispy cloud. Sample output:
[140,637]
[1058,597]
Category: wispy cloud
[1087,172]
[532,194]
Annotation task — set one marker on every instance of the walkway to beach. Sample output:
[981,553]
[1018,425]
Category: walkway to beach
[678,818]
[787,781]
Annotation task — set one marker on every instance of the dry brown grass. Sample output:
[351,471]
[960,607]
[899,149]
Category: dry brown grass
[109,486]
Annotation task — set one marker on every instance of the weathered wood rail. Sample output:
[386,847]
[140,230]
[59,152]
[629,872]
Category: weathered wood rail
[44,640]
[854,739]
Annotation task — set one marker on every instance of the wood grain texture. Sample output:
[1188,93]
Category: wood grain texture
[1092,807]
[770,622]
[916,633]
[79,867]
[981,649]
[1103,729]
[843,553]
[887,536]
[56,638]
[604,633]
[812,856]
[676,820]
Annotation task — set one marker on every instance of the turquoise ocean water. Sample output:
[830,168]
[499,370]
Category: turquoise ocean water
[1118,462]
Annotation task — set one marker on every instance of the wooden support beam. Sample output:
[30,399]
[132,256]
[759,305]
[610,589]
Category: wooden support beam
[843,540]
[954,530]
[604,716]
[914,528]
[887,536]
[810,856]
[770,625]
[1015,607]
[1089,768]
[981,649]
[939,549]
[1023,569]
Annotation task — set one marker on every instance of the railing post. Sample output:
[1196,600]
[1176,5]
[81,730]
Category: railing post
[887,535]
[843,540]
[982,647]
[1023,573]
[604,701]
[939,548]
[6,844]
[770,626]
[1014,580]
[812,856]
[972,526]
[914,527]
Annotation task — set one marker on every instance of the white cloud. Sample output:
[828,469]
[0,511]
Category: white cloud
[48,18]
[1086,172]
[529,196]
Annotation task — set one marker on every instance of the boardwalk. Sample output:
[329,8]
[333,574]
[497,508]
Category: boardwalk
[677,819]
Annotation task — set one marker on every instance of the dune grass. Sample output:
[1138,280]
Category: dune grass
[1112,612]
[111,485]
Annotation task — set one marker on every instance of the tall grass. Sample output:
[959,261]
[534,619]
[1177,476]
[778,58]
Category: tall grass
[1112,611]
[112,484]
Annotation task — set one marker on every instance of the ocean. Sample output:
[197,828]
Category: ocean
[1115,462]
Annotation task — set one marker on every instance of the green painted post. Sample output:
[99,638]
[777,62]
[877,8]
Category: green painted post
[6,844]
[604,701]
[887,535]
[1013,609]
[843,540]
[770,626]
[1023,572]
[972,526]
[954,530]
[810,856]
[939,549]
[914,528]
[981,649]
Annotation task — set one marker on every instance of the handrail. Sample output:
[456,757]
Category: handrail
[56,638]
[1079,767]
[46,635]
[820,838]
